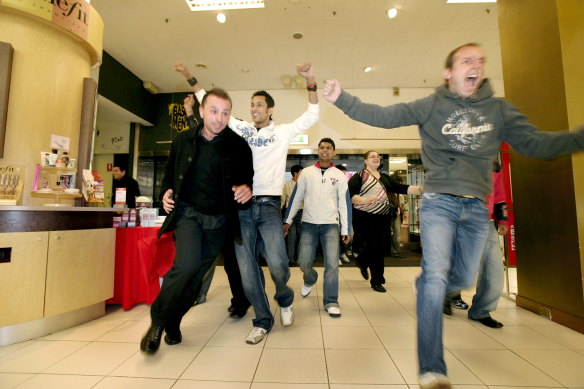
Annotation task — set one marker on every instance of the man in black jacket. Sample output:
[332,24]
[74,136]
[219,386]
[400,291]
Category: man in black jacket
[208,175]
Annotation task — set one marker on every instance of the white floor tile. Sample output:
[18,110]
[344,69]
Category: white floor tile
[289,366]
[134,383]
[351,338]
[97,358]
[362,367]
[565,366]
[502,367]
[224,364]
[295,336]
[52,381]
[372,346]
[190,384]
[11,380]
[129,332]
[168,362]
[38,356]
[397,337]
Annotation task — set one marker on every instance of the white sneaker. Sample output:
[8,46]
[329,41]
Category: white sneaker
[334,311]
[305,291]
[256,335]
[287,316]
[431,380]
[340,263]
[345,259]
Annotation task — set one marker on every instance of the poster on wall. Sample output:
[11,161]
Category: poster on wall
[178,117]
[6,54]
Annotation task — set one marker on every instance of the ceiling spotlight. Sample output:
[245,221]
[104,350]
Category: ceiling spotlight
[297,35]
[221,18]
[392,13]
[367,69]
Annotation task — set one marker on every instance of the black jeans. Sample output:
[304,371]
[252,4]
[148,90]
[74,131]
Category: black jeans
[371,236]
[198,240]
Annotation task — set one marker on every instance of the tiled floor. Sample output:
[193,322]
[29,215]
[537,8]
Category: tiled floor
[372,346]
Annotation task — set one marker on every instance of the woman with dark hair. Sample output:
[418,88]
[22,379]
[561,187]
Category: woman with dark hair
[370,189]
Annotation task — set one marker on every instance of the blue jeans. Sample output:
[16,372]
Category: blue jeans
[328,234]
[395,235]
[294,237]
[263,221]
[490,282]
[454,231]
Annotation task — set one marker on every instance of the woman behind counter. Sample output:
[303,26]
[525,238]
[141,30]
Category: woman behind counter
[369,191]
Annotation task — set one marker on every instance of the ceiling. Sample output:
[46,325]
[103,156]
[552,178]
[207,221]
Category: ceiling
[254,49]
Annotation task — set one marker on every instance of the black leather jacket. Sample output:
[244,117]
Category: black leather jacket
[236,168]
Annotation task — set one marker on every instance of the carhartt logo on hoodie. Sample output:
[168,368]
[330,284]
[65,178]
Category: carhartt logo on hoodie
[468,129]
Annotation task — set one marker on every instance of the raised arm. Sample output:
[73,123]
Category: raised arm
[181,68]
[307,71]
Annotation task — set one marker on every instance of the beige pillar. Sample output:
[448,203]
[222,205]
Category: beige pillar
[542,47]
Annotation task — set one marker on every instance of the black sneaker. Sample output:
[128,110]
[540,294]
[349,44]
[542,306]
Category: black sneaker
[446,308]
[458,303]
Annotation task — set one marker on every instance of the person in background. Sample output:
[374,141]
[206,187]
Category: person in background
[491,272]
[461,127]
[293,236]
[208,176]
[344,248]
[370,190]
[122,180]
[323,188]
[396,219]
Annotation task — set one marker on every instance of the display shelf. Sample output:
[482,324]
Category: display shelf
[57,170]
[57,195]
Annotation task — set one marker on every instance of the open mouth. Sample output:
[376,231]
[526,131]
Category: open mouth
[471,80]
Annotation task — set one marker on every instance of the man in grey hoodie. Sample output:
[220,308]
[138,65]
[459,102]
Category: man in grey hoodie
[461,127]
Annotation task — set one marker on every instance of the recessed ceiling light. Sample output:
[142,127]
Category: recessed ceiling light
[392,13]
[297,35]
[367,69]
[201,66]
[221,18]
[215,5]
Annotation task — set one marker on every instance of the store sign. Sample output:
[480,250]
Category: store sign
[178,117]
[301,139]
[72,15]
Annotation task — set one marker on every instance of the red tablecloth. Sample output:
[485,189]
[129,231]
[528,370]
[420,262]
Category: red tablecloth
[141,259]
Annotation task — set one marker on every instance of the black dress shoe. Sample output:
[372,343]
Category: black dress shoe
[230,308]
[364,272]
[173,336]
[489,322]
[378,288]
[151,341]
[238,313]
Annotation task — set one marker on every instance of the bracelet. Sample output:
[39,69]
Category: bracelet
[311,87]
[192,81]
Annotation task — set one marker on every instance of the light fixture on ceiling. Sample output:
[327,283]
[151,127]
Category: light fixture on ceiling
[470,1]
[297,35]
[367,69]
[216,5]
[150,87]
[397,160]
[392,13]
[221,18]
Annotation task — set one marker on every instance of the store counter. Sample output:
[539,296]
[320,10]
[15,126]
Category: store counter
[141,259]
[56,268]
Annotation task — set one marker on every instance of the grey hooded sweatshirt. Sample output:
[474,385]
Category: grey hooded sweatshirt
[461,136]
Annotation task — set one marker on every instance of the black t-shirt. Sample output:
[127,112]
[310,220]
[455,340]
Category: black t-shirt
[203,184]
[132,190]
